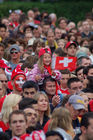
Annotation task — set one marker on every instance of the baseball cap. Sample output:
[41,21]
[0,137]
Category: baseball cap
[77,102]
[81,54]
[70,43]
[14,46]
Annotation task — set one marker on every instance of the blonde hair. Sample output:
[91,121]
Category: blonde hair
[61,118]
[10,101]
[37,96]
[40,64]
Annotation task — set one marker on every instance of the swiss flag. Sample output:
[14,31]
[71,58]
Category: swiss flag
[62,63]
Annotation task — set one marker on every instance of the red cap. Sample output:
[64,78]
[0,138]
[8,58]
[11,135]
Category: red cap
[17,71]
[2,64]
[91,105]
[43,51]
[70,43]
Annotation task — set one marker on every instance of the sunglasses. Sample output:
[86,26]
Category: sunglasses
[16,52]
[2,81]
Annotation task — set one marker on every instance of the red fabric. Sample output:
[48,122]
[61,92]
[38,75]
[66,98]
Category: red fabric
[17,71]
[91,105]
[2,64]
[10,85]
[64,91]
[23,137]
[36,21]
[4,126]
[66,63]
[43,51]
[48,69]
[46,126]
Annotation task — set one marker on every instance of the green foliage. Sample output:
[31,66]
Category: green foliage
[71,9]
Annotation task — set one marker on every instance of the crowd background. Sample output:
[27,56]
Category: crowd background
[37,100]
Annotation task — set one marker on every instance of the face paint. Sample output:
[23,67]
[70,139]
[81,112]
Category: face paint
[19,81]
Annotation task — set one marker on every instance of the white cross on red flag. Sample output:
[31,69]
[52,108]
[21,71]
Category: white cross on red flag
[62,63]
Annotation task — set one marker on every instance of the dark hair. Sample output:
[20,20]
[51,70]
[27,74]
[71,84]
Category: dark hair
[22,18]
[4,136]
[2,45]
[3,26]
[72,80]
[91,46]
[60,52]
[88,68]
[85,119]
[25,102]
[65,99]
[47,79]
[54,133]
[17,112]
[66,71]
[30,84]
[78,69]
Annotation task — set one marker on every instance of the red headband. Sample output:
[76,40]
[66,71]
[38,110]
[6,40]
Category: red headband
[43,51]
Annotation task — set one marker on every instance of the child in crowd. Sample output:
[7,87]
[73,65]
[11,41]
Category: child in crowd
[43,67]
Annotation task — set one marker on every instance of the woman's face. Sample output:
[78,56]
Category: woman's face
[42,103]
[47,59]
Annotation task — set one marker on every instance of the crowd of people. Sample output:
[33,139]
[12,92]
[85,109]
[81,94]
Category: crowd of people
[38,99]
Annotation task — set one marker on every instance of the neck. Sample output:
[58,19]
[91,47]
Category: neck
[15,61]
[17,92]
[82,137]
[64,86]
[41,116]
[86,32]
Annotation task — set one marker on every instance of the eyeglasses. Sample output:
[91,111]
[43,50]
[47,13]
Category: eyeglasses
[27,93]
[2,81]
[16,52]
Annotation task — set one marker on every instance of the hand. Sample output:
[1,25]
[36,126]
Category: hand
[37,77]
[55,100]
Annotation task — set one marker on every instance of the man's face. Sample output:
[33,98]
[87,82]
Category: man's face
[74,113]
[64,80]
[71,51]
[86,62]
[1,52]
[76,87]
[32,117]
[29,92]
[56,137]
[18,125]
[46,28]
[89,130]
[50,88]
[15,54]
[18,82]
[2,32]
[62,24]
[85,26]
[57,33]
[3,80]
[80,74]
[90,72]
[50,37]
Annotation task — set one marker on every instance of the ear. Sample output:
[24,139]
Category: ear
[83,129]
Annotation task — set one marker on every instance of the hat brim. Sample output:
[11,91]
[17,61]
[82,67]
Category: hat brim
[78,106]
